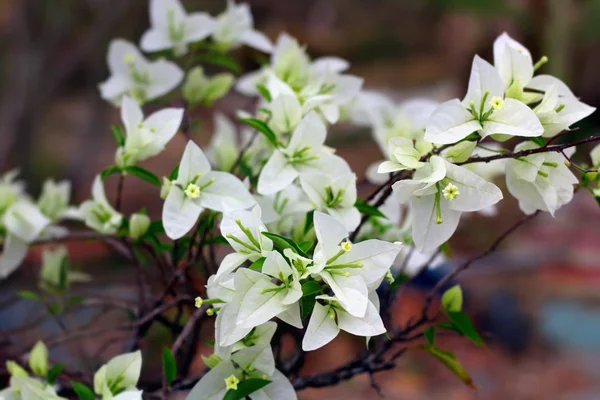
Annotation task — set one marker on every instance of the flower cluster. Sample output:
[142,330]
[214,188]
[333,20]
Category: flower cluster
[305,251]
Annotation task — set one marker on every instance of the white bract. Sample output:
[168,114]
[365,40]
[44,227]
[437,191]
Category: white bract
[145,137]
[118,378]
[223,149]
[282,210]
[198,187]
[402,155]
[484,110]
[304,153]
[54,200]
[351,270]
[172,28]
[334,195]
[235,27]
[97,212]
[439,193]
[539,181]
[133,75]
[327,320]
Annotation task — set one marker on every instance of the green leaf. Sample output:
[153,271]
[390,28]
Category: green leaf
[29,295]
[282,243]
[54,308]
[452,299]
[118,135]
[108,171]
[445,248]
[75,300]
[156,227]
[261,127]
[258,264]
[262,89]
[306,245]
[174,173]
[245,388]
[222,60]
[308,221]
[144,174]
[368,209]
[538,140]
[54,372]
[463,324]
[83,392]
[169,365]
[429,333]
[311,288]
[450,361]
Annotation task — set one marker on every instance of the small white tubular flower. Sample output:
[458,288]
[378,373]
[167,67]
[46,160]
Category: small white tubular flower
[135,76]
[327,320]
[402,155]
[145,138]
[483,110]
[334,195]
[304,153]
[172,28]
[235,27]
[265,299]
[97,212]
[351,270]
[438,194]
[539,181]
[559,108]
[119,375]
[242,229]
[198,187]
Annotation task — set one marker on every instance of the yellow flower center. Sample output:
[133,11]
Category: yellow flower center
[497,103]
[450,192]
[232,382]
[192,191]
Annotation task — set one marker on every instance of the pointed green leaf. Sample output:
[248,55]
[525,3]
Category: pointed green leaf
[261,127]
[83,392]
[463,324]
[452,299]
[450,361]
[144,174]
[368,209]
[108,171]
[245,388]
[281,243]
[169,365]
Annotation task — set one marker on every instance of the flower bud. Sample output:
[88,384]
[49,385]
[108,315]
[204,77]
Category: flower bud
[165,189]
[138,225]
[38,359]
[15,370]
[461,152]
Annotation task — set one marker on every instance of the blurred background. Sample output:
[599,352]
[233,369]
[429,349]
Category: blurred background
[537,300]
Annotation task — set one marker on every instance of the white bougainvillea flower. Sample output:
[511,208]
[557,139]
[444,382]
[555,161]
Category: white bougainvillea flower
[28,388]
[135,76]
[515,66]
[304,153]
[119,375]
[334,195]
[327,320]
[259,337]
[145,138]
[235,27]
[351,270]
[540,181]
[242,229]
[483,110]
[439,193]
[223,148]
[198,187]
[172,28]
[265,299]
[215,384]
[286,113]
[97,212]
[559,108]
[54,200]
[282,210]
[402,155]
[23,223]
